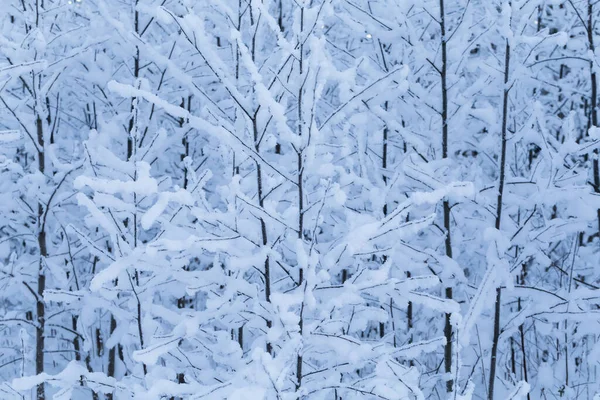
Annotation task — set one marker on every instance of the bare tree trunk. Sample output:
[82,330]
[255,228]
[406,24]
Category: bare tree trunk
[594,102]
[132,143]
[263,228]
[280,16]
[448,334]
[112,355]
[41,284]
[498,303]
[523,353]
[300,191]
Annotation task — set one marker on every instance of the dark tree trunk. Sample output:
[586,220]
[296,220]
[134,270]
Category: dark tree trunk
[448,334]
[41,283]
[498,304]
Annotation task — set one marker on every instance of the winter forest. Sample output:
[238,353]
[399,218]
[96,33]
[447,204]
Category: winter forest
[299,199]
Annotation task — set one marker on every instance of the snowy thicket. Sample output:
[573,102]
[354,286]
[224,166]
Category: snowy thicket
[299,199]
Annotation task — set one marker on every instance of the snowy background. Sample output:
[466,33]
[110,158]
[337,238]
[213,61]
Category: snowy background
[299,199]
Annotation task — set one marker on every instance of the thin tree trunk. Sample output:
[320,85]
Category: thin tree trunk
[112,359]
[259,174]
[446,205]
[280,16]
[495,342]
[130,151]
[594,103]
[497,305]
[236,168]
[132,143]
[384,165]
[263,229]
[513,361]
[300,193]
[523,353]
[41,284]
